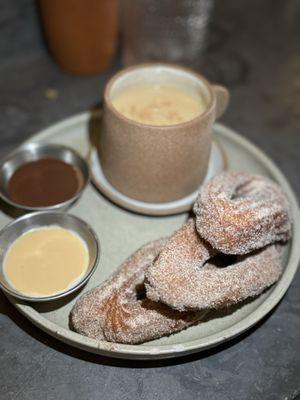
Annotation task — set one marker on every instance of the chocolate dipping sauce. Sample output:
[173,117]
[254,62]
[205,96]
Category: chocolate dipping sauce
[44,182]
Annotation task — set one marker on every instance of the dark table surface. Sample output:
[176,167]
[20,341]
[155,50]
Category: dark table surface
[254,49]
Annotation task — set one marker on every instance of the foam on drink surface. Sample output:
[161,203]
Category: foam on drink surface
[158,104]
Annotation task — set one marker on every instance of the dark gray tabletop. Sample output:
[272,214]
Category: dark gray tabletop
[255,50]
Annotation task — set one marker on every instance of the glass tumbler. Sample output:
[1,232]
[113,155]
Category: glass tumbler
[164,30]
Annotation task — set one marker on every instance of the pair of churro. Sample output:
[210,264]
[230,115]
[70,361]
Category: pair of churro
[169,284]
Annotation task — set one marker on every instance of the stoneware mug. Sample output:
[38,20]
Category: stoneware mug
[154,163]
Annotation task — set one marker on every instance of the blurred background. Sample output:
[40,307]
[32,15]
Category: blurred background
[56,55]
[55,58]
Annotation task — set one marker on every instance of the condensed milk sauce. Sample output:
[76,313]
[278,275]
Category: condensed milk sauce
[46,261]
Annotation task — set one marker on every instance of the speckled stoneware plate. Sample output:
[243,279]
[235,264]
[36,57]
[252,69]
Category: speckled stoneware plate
[121,232]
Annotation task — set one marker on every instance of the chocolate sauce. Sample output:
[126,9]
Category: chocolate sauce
[44,182]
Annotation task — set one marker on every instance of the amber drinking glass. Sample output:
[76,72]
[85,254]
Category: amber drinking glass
[82,35]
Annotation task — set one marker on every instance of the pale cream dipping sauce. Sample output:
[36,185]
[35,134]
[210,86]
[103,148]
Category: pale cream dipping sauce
[46,261]
[158,104]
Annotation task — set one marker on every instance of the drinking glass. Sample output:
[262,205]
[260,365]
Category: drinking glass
[164,30]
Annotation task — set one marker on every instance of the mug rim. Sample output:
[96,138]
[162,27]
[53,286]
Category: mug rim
[123,71]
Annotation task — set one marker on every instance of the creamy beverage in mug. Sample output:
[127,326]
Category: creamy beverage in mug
[159,104]
[156,132]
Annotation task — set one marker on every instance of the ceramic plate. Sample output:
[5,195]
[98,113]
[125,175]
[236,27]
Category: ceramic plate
[121,232]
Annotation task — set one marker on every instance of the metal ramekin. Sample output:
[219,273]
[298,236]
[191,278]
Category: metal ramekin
[27,222]
[35,151]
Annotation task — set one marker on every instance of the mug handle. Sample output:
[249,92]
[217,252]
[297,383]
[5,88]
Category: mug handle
[222,99]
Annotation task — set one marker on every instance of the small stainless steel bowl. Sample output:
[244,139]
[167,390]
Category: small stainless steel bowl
[42,219]
[35,151]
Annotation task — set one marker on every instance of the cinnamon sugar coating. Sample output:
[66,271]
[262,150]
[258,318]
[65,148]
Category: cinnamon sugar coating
[238,212]
[115,312]
[180,277]
[166,276]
